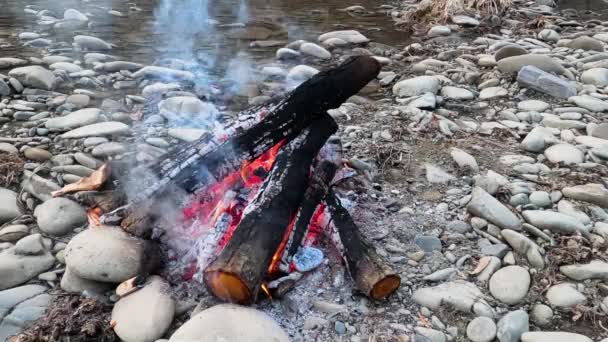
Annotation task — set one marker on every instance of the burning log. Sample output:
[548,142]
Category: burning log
[237,274]
[371,274]
[196,165]
[330,158]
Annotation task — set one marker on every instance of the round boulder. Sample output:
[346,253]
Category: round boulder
[146,314]
[595,76]
[564,153]
[586,43]
[510,284]
[481,329]
[59,216]
[230,323]
[109,254]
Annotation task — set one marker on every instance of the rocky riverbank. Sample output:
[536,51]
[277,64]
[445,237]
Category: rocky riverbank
[480,155]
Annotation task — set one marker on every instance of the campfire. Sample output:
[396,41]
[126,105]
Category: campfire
[261,192]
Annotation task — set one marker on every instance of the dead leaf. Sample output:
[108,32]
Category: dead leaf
[483,263]
[112,323]
[93,182]
[126,287]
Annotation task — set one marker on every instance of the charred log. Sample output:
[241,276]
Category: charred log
[329,159]
[237,274]
[371,274]
[195,165]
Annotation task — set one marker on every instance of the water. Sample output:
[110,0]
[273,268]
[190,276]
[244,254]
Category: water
[139,38]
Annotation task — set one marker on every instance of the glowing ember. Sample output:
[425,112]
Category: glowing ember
[94,216]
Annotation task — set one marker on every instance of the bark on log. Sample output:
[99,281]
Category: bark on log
[195,165]
[237,274]
[329,159]
[371,274]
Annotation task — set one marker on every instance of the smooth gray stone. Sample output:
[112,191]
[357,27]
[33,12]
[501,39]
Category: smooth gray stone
[534,78]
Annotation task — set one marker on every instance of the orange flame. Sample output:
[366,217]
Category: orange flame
[94,216]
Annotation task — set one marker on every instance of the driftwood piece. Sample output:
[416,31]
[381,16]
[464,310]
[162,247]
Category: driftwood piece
[371,274]
[237,274]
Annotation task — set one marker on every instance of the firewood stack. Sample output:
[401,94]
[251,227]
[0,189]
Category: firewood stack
[290,193]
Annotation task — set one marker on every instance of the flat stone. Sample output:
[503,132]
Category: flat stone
[435,174]
[108,149]
[534,78]
[230,323]
[512,65]
[493,92]
[510,284]
[34,76]
[595,76]
[565,295]
[465,20]
[17,269]
[13,233]
[438,31]
[416,86]
[146,314]
[554,221]
[91,43]
[73,120]
[97,129]
[23,315]
[8,205]
[486,206]
[596,269]
[591,193]
[431,335]
[11,297]
[548,35]
[37,186]
[30,245]
[8,148]
[509,51]
[37,154]
[566,207]
[157,72]
[188,110]
[59,216]
[455,93]
[564,153]
[301,73]
[512,326]
[481,329]
[586,43]
[464,160]
[350,36]
[589,102]
[533,106]
[314,50]
[186,134]
[459,294]
[553,336]
[428,243]
[107,254]
[524,246]
[65,66]
[540,199]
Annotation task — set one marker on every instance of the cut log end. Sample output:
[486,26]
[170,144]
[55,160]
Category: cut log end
[385,287]
[228,287]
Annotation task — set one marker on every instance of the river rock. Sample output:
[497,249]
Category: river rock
[553,221]
[486,206]
[533,106]
[91,43]
[16,268]
[459,294]
[455,93]
[440,30]
[492,92]
[534,78]
[524,246]
[37,154]
[564,153]
[72,283]
[12,233]
[39,187]
[314,50]
[23,315]
[350,36]
[11,62]
[186,134]
[73,120]
[416,86]
[464,160]
[589,102]
[108,149]
[591,193]
[72,14]
[596,269]
[34,76]
[548,35]
[157,72]
[188,110]
[600,131]
[30,245]
[107,254]
[566,207]
[595,76]
[431,335]
[565,295]
[512,65]
[285,53]
[586,43]
[8,205]
[481,329]
[465,20]
[59,216]
[553,336]
[10,298]
[116,66]
[65,66]
[97,129]
[512,326]
[8,148]
[230,323]
[510,284]
[509,51]
[541,314]
[435,174]
[301,73]
[146,314]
